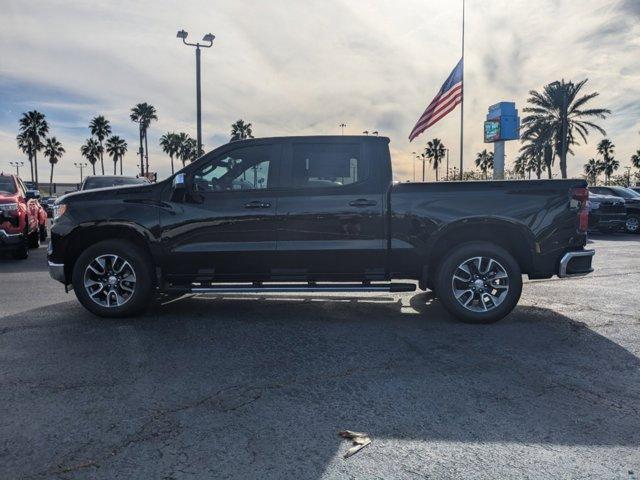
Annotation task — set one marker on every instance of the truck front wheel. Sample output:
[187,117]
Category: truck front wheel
[114,278]
[479,282]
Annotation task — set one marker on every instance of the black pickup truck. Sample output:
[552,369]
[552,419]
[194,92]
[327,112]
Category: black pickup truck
[309,214]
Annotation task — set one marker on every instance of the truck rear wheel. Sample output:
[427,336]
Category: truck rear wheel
[479,282]
[114,278]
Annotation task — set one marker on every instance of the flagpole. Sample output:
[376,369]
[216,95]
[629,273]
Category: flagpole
[462,99]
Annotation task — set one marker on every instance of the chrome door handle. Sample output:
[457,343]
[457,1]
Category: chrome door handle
[363,202]
[257,204]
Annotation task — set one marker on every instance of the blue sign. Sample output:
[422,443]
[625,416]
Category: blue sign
[502,123]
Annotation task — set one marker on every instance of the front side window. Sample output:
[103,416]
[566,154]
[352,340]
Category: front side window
[243,169]
[7,185]
[326,165]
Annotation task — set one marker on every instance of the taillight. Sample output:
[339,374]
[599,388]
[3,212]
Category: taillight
[581,196]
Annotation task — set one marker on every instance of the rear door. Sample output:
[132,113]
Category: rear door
[224,229]
[331,221]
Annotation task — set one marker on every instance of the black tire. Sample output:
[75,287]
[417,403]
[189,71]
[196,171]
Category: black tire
[142,266]
[33,239]
[449,267]
[43,233]
[632,225]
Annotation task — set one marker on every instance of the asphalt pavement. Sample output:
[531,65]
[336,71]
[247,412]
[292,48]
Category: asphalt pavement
[258,387]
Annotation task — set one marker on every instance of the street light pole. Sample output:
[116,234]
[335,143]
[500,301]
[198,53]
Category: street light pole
[209,37]
[447,175]
[342,125]
[17,165]
[415,155]
[81,167]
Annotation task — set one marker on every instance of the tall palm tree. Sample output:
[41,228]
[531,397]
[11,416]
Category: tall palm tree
[53,150]
[183,153]
[91,151]
[533,150]
[241,131]
[609,163]
[25,145]
[484,161]
[435,152]
[116,148]
[188,150]
[520,166]
[100,128]
[143,114]
[592,169]
[34,125]
[635,159]
[562,104]
[170,143]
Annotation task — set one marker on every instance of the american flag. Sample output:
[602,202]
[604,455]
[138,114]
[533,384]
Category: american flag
[444,102]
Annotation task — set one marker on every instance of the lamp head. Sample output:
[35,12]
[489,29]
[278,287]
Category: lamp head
[182,34]
[209,37]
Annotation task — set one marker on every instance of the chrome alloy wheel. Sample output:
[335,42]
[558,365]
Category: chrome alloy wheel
[109,280]
[632,224]
[480,284]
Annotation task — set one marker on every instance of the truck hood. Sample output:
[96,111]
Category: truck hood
[8,197]
[124,191]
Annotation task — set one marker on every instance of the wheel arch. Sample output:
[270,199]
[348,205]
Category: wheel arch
[514,237]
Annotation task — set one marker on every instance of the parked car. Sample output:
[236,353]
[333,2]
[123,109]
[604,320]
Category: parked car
[22,219]
[47,205]
[632,204]
[104,181]
[309,214]
[635,189]
[606,213]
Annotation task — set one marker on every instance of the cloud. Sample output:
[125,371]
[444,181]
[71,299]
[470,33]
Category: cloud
[294,67]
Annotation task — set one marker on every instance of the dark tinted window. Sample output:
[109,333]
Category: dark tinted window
[7,184]
[326,165]
[624,192]
[103,182]
[249,168]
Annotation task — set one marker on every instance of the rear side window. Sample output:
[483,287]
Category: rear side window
[326,165]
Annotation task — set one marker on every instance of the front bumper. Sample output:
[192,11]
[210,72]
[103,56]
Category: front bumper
[10,241]
[576,264]
[56,271]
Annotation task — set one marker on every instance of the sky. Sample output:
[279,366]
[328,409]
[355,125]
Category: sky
[297,68]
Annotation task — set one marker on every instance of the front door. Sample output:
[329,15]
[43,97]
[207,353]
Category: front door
[331,213]
[224,228]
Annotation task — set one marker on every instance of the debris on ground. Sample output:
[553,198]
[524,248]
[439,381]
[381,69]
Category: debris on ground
[359,439]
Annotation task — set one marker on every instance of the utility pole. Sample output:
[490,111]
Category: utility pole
[342,125]
[209,37]
[17,165]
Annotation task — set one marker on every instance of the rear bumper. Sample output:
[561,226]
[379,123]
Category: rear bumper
[10,241]
[576,264]
[56,271]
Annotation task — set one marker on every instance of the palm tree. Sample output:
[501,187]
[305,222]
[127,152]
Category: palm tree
[143,114]
[100,128]
[91,151]
[435,152]
[170,143]
[520,166]
[241,131]
[53,150]
[484,160]
[592,169]
[34,126]
[609,164]
[116,148]
[562,104]
[188,150]
[534,151]
[26,146]
[635,159]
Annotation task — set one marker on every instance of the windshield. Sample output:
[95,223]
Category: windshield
[103,182]
[7,185]
[625,192]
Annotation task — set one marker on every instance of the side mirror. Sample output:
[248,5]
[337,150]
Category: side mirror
[180,182]
[32,195]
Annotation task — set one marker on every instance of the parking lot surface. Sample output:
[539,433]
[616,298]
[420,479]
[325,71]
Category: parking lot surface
[258,387]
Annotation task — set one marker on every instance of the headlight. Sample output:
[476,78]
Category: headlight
[593,205]
[58,210]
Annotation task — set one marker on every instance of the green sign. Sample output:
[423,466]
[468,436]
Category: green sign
[491,131]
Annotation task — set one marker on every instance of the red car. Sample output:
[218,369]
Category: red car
[22,218]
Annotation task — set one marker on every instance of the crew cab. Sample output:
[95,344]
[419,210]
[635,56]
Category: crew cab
[309,214]
[22,218]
